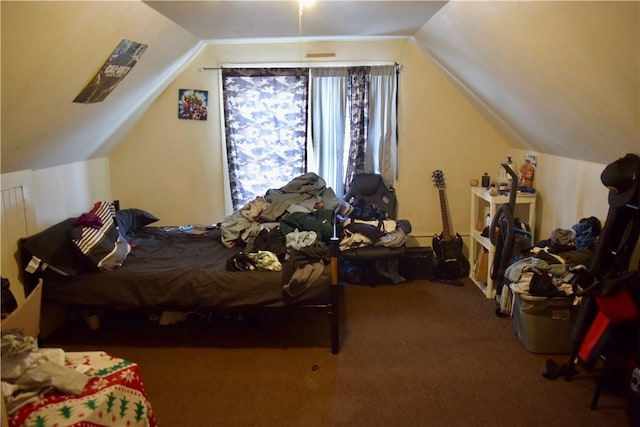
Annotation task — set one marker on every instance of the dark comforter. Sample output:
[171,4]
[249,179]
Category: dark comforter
[175,270]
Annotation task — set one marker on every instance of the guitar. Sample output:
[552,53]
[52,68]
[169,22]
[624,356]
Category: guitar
[450,262]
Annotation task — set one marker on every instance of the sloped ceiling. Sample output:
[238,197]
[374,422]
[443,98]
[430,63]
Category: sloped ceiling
[560,78]
[51,50]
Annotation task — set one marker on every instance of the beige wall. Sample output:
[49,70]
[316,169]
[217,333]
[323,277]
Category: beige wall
[568,190]
[174,168]
[558,77]
[52,195]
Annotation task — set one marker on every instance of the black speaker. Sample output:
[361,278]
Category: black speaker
[417,263]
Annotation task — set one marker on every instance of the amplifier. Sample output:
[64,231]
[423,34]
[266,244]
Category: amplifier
[417,263]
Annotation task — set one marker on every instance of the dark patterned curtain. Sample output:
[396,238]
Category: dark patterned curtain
[358,95]
[268,106]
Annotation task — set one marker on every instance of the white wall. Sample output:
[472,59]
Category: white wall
[52,195]
[568,190]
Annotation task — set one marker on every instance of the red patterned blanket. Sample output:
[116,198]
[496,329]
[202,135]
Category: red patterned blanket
[115,396]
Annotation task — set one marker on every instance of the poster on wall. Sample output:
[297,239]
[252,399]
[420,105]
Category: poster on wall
[121,61]
[193,104]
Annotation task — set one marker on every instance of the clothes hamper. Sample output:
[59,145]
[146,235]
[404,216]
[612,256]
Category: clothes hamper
[417,263]
[544,325]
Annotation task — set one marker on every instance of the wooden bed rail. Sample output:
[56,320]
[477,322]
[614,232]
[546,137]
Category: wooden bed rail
[334,309]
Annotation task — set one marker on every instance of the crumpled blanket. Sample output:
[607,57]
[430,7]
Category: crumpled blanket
[301,190]
[303,268]
[392,235]
[28,373]
[307,193]
[237,227]
[297,239]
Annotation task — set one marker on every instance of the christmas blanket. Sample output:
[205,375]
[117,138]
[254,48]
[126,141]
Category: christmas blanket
[114,396]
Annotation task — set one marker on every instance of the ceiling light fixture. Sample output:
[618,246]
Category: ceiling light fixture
[303,3]
[301,6]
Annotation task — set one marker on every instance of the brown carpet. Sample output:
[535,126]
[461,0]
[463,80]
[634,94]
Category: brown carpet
[414,354]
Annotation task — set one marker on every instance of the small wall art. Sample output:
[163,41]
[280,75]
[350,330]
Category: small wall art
[193,104]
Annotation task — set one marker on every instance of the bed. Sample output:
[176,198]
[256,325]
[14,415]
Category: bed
[145,267]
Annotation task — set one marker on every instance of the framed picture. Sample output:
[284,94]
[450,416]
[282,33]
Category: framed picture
[193,104]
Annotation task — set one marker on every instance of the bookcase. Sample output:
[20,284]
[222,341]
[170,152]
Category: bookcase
[483,204]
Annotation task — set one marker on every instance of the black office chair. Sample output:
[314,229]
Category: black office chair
[376,262]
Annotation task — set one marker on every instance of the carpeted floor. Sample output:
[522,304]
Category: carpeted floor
[414,354]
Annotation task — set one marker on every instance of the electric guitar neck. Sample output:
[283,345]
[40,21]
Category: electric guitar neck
[450,262]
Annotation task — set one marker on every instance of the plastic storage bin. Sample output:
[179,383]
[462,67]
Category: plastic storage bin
[544,325]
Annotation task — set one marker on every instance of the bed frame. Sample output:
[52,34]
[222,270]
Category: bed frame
[56,304]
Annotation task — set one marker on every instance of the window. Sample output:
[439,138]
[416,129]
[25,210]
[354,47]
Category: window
[351,126]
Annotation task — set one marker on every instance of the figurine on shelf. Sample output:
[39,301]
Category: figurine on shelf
[527,170]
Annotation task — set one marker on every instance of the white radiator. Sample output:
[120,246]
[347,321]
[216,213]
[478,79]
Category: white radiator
[14,227]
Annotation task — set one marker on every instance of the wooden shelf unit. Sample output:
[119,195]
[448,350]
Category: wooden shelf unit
[483,203]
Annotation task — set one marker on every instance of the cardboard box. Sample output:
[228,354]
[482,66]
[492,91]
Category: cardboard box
[27,317]
[544,325]
[481,265]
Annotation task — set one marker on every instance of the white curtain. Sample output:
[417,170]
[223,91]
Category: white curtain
[328,110]
[381,155]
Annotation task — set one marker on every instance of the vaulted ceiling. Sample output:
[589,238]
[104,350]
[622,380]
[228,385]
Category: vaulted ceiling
[556,77]
[562,78]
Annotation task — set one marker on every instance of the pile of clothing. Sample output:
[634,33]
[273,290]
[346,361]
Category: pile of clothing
[552,267]
[289,229]
[29,372]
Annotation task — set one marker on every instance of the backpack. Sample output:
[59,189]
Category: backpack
[367,211]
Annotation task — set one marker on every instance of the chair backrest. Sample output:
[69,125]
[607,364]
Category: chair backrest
[371,188]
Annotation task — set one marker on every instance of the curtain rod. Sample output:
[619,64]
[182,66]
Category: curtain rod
[303,65]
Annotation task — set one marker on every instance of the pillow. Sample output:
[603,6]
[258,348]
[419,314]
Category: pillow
[52,250]
[100,244]
[133,219]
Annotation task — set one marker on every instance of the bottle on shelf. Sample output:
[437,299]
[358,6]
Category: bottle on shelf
[486,181]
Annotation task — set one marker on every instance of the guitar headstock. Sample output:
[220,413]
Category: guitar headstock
[438,179]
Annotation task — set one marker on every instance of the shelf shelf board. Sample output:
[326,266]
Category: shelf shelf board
[483,287]
[484,241]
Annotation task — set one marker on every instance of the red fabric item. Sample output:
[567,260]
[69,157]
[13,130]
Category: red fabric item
[114,396]
[619,307]
[595,332]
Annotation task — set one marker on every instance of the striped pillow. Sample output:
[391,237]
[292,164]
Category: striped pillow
[100,243]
